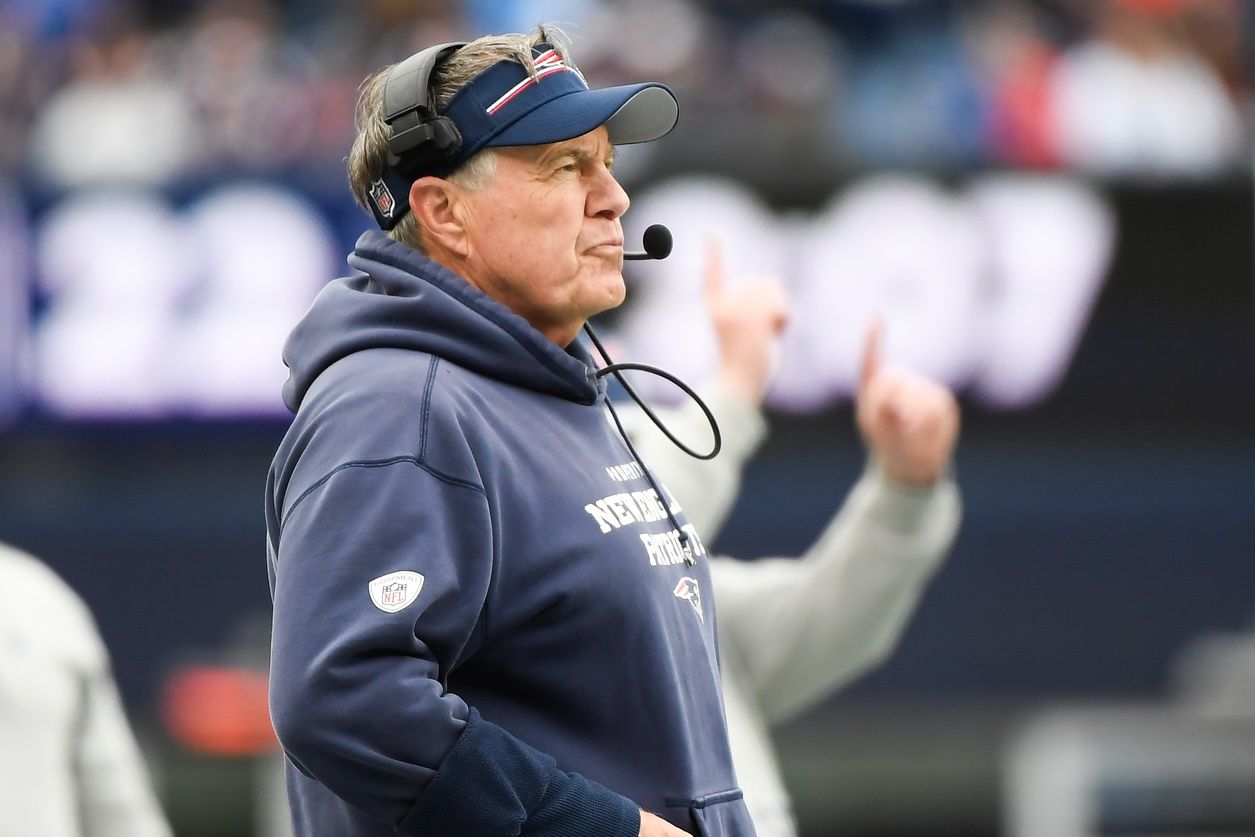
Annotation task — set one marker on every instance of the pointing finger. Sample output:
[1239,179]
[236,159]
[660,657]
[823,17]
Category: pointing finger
[871,353]
[715,278]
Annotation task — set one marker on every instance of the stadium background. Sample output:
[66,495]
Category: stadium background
[1109,529]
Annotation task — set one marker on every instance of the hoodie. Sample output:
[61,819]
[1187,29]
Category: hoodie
[484,622]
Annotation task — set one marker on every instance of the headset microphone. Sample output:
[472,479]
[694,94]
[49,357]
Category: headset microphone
[657,244]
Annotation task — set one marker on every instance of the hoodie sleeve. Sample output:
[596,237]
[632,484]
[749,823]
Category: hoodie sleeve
[357,683]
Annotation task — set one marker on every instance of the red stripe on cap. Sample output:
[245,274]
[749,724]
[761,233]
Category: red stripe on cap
[546,65]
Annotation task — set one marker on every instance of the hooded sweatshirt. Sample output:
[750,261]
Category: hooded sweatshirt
[484,623]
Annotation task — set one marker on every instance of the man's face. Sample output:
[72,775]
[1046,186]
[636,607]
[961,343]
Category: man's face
[544,236]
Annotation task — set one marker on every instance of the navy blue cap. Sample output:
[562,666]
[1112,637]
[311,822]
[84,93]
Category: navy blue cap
[505,106]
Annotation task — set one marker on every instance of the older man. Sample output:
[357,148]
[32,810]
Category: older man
[483,624]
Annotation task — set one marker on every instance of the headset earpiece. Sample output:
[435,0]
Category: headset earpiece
[435,141]
[419,136]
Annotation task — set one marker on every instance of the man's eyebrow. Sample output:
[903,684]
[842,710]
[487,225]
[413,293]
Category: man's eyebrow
[581,155]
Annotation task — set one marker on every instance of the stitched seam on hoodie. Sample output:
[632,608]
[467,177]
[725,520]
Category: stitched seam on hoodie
[376,463]
[431,382]
[482,622]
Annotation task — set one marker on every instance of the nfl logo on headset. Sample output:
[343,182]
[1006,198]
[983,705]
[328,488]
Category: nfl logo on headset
[383,198]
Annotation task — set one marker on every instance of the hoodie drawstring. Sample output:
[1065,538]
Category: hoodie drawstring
[615,369]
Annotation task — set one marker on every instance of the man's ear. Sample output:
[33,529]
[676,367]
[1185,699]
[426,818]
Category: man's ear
[434,202]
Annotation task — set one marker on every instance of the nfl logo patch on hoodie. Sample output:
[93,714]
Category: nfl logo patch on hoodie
[395,591]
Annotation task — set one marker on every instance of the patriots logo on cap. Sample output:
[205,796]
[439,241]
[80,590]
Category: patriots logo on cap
[382,198]
[687,589]
[546,64]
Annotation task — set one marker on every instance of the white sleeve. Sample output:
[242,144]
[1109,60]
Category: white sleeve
[706,489]
[802,627]
[115,796]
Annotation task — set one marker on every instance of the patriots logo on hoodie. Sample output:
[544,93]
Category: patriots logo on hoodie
[687,588]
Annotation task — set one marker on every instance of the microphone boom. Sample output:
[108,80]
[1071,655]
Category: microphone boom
[657,243]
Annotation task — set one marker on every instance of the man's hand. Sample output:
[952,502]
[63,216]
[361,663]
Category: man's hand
[652,826]
[747,323]
[909,423]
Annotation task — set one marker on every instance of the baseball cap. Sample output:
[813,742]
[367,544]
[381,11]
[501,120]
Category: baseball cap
[506,105]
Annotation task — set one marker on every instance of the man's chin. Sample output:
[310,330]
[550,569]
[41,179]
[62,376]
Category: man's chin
[617,291]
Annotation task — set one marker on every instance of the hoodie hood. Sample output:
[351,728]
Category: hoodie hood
[406,301]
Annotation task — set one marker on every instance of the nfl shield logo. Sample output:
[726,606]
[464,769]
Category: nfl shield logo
[383,198]
[395,591]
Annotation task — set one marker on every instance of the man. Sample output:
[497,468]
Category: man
[476,631]
[69,765]
[794,630]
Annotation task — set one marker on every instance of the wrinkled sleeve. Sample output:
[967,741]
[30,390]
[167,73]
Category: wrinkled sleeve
[802,627]
[357,692]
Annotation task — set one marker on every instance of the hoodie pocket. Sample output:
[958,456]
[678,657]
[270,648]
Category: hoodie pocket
[698,814]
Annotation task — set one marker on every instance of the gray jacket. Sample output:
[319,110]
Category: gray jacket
[832,613]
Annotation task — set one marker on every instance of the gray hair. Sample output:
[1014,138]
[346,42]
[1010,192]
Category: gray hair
[369,154]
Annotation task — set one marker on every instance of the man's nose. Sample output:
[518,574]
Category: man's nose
[607,198]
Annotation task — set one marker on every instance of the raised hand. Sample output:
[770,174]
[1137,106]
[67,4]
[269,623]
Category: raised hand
[908,422]
[747,321]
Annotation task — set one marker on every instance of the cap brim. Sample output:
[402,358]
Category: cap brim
[631,113]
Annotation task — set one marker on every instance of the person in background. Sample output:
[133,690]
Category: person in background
[794,630]
[1136,98]
[69,764]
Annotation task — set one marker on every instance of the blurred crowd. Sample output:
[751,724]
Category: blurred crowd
[152,92]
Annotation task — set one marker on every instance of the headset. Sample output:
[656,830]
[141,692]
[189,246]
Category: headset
[420,137]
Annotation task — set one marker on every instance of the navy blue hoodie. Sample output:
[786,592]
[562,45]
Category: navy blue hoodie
[483,624]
